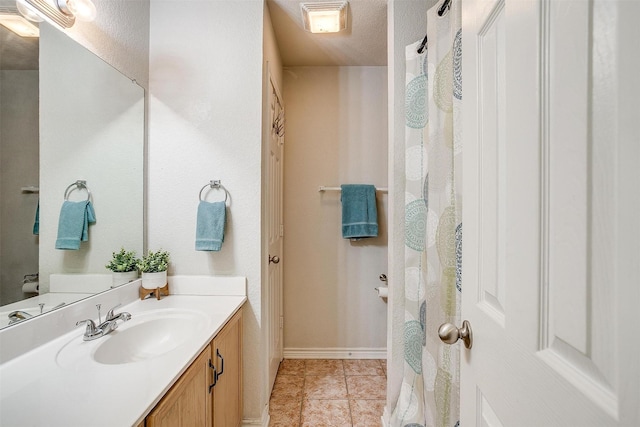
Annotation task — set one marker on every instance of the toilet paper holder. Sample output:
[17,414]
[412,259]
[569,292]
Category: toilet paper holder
[382,291]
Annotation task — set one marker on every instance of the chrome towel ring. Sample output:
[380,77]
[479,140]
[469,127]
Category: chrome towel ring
[217,185]
[80,184]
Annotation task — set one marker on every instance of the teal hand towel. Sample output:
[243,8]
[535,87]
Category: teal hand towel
[210,226]
[359,212]
[73,224]
[36,222]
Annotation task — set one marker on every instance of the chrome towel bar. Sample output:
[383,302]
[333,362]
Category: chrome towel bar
[323,188]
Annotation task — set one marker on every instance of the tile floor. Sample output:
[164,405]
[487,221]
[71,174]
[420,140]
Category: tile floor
[322,393]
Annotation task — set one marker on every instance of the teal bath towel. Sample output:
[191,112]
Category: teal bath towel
[359,212]
[73,224]
[210,226]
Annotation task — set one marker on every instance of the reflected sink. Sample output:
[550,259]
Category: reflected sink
[145,336]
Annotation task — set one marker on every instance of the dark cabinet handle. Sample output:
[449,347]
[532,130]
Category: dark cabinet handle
[222,364]
[215,376]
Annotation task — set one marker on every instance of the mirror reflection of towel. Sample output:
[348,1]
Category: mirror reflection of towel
[210,225]
[359,212]
[73,225]
[36,221]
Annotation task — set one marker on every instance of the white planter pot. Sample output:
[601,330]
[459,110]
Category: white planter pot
[120,279]
[154,280]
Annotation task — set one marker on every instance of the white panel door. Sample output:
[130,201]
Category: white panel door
[551,261]
[275,232]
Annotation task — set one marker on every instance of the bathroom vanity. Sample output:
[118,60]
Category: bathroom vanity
[209,393]
[179,358]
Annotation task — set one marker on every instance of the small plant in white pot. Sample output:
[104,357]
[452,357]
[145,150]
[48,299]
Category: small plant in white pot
[154,269]
[123,266]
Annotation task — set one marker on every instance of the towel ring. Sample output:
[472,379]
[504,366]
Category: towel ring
[79,184]
[215,184]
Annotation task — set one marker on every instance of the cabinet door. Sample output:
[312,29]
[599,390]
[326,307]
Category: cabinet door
[188,403]
[227,394]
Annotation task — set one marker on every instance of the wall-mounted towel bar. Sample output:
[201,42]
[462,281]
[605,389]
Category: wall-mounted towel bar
[217,185]
[30,189]
[323,188]
[79,184]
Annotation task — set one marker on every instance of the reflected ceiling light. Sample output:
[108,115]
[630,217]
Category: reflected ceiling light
[324,17]
[13,21]
[30,14]
[60,12]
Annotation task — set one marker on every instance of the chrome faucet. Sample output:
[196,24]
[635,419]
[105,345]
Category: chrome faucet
[18,316]
[91,333]
[111,321]
[109,325]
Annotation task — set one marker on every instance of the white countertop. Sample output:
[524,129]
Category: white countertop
[37,390]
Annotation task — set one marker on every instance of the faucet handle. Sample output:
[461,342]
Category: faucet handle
[110,315]
[91,331]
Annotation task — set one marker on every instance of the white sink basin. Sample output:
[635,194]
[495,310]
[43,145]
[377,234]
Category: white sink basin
[145,336]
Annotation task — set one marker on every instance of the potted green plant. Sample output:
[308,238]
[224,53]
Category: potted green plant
[154,269]
[123,266]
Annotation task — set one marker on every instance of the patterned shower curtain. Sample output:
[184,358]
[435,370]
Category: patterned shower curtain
[429,395]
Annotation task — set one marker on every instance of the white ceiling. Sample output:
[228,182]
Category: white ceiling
[364,42]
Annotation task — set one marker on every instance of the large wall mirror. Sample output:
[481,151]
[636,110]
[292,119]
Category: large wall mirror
[65,115]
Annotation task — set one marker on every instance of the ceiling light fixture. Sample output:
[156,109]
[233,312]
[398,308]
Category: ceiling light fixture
[11,19]
[60,12]
[325,17]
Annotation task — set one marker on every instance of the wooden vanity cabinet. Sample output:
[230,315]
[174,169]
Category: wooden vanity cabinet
[188,403]
[226,348]
[209,393]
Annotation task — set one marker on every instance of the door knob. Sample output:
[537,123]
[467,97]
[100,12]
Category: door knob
[274,259]
[449,334]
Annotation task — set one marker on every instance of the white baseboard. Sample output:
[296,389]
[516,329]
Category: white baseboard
[335,353]
[384,419]
[262,421]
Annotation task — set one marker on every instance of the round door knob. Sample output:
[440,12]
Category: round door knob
[274,259]
[450,334]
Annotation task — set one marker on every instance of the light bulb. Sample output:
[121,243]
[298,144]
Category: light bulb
[83,10]
[27,12]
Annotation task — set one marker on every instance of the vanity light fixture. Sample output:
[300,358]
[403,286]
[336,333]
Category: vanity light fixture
[324,17]
[60,12]
[14,21]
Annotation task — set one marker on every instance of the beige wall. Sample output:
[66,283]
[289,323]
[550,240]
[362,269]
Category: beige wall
[336,133]
[19,165]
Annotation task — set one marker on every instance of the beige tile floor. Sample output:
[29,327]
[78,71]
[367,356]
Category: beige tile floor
[323,393]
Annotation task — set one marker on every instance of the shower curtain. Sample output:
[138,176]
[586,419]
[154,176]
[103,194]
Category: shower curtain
[429,395]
